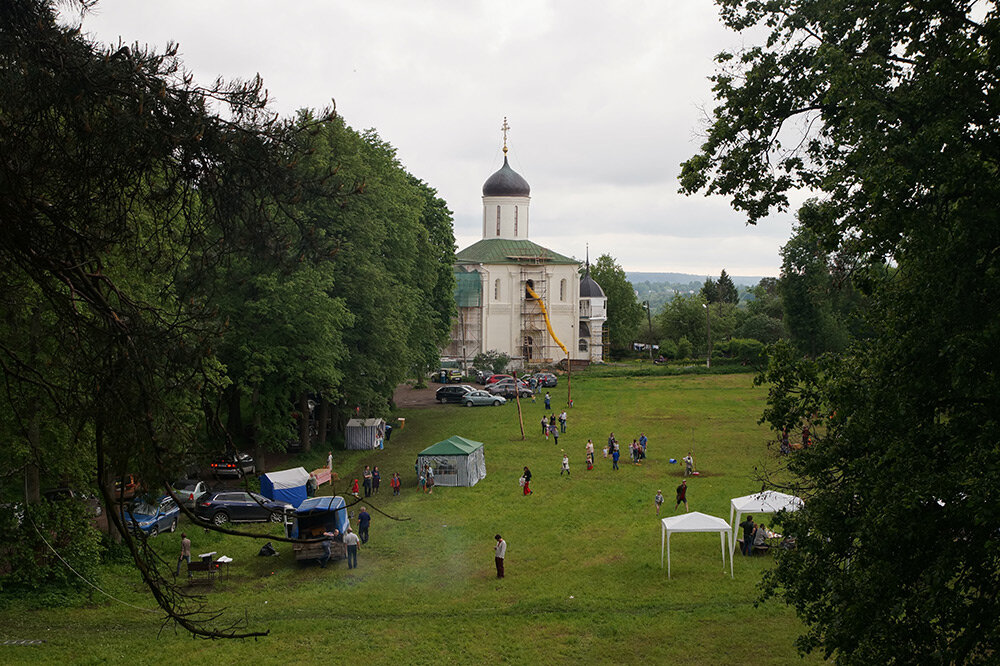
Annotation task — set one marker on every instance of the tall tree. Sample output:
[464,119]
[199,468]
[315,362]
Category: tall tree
[727,292]
[624,311]
[121,194]
[887,110]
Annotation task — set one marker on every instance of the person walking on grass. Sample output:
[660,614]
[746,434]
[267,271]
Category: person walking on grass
[329,464]
[545,426]
[185,554]
[526,485]
[565,465]
[352,542]
[562,422]
[364,521]
[394,484]
[354,488]
[423,479]
[682,495]
[430,480]
[500,553]
[548,401]
[658,501]
[614,459]
[555,434]
[590,454]
[642,442]
[376,479]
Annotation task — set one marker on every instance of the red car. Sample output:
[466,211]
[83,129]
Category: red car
[495,378]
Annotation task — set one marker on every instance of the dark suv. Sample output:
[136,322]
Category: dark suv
[452,393]
[546,379]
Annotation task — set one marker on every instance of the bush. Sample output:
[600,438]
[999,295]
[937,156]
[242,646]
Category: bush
[491,360]
[684,348]
[749,351]
[29,565]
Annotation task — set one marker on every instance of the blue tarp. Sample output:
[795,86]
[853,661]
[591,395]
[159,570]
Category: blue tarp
[320,514]
[288,485]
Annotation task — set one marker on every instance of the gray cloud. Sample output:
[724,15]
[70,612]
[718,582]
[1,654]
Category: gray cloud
[604,101]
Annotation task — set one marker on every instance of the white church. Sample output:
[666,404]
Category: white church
[519,298]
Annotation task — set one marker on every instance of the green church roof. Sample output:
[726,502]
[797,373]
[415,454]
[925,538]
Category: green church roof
[506,251]
[453,446]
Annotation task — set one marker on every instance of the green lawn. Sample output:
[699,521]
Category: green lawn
[583,582]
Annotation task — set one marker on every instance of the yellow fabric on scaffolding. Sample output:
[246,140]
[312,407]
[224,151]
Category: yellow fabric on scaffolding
[531,292]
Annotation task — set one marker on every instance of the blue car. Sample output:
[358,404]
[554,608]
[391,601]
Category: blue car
[152,517]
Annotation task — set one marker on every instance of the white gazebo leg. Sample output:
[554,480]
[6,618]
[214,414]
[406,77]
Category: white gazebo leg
[668,557]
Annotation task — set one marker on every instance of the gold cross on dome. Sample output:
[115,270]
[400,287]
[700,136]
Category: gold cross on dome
[505,127]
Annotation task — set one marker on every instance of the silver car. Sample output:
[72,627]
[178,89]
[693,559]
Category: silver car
[190,491]
[476,398]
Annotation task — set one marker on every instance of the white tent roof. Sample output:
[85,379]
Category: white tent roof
[694,521]
[288,478]
[768,501]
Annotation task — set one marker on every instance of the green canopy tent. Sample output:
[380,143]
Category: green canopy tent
[456,461]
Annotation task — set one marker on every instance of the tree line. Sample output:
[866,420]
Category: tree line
[814,305]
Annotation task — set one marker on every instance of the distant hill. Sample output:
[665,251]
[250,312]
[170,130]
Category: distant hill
[685,278]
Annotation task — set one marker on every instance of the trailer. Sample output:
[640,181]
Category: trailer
[315,516]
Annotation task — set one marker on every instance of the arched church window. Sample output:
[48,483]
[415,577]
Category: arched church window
[583,345]
[498,220]
[515,220]
[496,290]
[562,289]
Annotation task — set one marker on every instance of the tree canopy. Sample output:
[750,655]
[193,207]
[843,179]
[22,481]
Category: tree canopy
[624,311]
[169,249]
[886,110]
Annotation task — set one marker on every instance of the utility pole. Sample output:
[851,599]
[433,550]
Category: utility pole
[708,325]
[649,337]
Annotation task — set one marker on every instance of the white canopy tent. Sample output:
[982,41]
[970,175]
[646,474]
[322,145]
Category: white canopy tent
[695,522]
[768,501]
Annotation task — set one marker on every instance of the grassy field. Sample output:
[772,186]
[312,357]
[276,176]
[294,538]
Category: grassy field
[583,584]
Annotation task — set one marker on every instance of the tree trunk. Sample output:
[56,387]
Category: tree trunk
[304,437]
[323,420]
[234,416]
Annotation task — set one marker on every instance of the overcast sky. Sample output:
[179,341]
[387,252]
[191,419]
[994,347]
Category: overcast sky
[604,100]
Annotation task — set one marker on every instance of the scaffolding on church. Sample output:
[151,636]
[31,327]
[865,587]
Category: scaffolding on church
[467,329]
[536,344]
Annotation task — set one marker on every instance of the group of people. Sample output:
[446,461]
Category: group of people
[755,536]
[372,480]
[548,424]
[637,450]
[425,477]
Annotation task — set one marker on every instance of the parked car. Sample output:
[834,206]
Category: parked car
[496,378]
[233,464]
[126,487]
[480,397]
[189,491]
[483,376]
[239,506]
[152,517]
[95,509]
[505,387]
[546,379]
[452,393]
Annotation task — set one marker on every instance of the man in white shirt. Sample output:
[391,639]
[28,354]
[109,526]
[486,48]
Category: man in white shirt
[500,552]
[352,542]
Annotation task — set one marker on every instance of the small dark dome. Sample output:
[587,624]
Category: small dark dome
[506,183]
[589,288]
